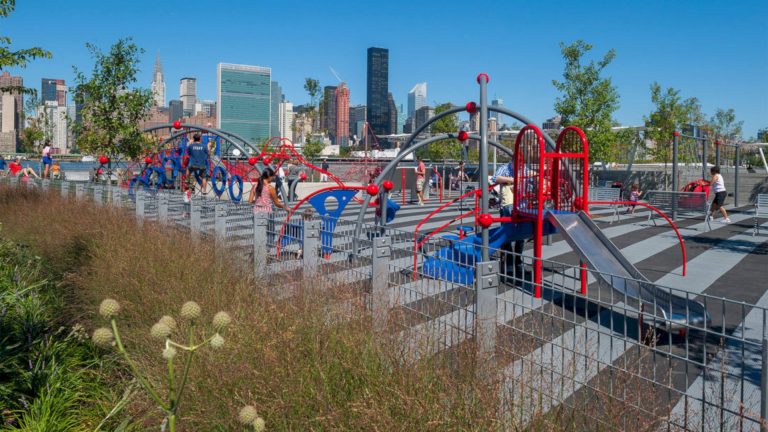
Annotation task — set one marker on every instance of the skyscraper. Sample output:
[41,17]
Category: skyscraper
[357,120]
[243,100]
[276,97]
[392,114]
[11,104]
[53,90]
[328,120]
[158,83]
[285,119]
[378,90]
[188,95]
[56,120]
[417,98]
[497,103]
[342,115]
[401,117]
[175,110]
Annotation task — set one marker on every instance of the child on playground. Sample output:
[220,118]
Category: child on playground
[634,197]
[718,187]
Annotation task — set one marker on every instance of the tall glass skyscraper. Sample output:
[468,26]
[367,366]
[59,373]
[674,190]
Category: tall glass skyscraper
[378,90]
[417,98]
[244,100]
[275,99]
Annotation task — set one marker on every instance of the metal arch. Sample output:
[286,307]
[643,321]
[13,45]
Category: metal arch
[225,135]
[429,122]
[393,164]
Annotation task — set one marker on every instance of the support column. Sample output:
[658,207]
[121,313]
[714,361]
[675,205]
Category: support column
[482,79]
[736,177]
[486,289]
[382,251]
[98,195]
[46,184]
[717,153]
[311,247]
[704,156]
[220,223]
[675,186]
[65,189]
[195,219]
[162,207]
[260,222]
[79,191]
[141,201]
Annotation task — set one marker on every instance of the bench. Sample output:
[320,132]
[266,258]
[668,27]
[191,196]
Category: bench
[679,204]
[606,194]
[761,210]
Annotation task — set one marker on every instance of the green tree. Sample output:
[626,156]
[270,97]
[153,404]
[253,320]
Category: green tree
[670,113]
[111,110]
[312,149]
[446,149]
[19,58]
[725,127]
[588,100]
[312,87]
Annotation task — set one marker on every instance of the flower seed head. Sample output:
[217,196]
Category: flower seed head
[190,310]
[221,320]
[259,425]
[160,331]
[217,341]
[169,321]
[247,415]
[109,308]
[103,337]
[169,353]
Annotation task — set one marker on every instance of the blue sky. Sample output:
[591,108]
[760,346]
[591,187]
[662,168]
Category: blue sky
[714,50]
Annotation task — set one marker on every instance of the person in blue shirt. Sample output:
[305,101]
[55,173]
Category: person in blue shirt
[2,164]
[198,165]
[512,261]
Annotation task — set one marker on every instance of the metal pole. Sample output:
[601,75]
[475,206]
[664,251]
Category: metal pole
[162,207]
[675,151]
[310,247]
[486,286]
[717,153]
[704,156]
[482,79]
[220,223]
[65,189]
[382,250]
[260,222]
[764,389]
[736,177]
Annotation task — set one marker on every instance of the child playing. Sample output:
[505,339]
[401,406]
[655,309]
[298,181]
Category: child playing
[634,197]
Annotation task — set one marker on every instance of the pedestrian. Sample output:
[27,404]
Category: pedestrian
[325,166]
[2,165]
[634,197]
[263,196]
[421,171]
[47,161]
[718,187]
[198,166]
[504,177]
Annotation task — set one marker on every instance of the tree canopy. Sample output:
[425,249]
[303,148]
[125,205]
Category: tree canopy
[19,58]
[445,149]
[670,113]
[725,127]
[588,100]
[111,109]
[312,149]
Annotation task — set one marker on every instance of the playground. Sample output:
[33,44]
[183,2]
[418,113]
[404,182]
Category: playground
[663,295]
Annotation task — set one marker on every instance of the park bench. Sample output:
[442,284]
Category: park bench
[761,210]
[679,204]
[606,194]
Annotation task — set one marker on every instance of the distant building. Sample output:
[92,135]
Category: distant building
[275,99]
[53,90]
[158,83]
[552,124]
[421,116]
[175,110]
[243,100]
[762,135]
[188,95]
[11,105]
[157,116]
[56,125]
[498,103]
[328,111]
[285,119]
[417,98]
[392,114]
[357,120]
[377,92]
[341,112]
[206,107]
[401,116]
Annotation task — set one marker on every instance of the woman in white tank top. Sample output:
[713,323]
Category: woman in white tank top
[718,187]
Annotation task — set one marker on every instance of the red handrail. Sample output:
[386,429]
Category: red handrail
[661,213]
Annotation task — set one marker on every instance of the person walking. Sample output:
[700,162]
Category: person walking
[634,197]
[47,160]
[263,196]
[421,171]
[512,263]
[718,187]
[198,166]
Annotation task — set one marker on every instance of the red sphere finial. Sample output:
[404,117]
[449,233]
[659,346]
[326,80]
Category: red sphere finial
[388,185]
[487,80]
[463,136]
[372,190]
[103,160]
[267,160]
[717,142]
[676,133]
[148,160]
[471,107]
[177,125]
[485,220]
[578,203]
[303,176]
[253,161]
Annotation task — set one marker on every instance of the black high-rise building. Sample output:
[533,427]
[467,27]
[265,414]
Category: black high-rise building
[378,90]
[328,120]
[175,110]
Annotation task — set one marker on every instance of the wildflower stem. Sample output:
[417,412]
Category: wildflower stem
[171,396]
[187,364]
[134,369]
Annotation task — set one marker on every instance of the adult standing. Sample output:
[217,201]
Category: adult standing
[263,196]
[198,166]
[421,171]
[325,166]
[512,263]
[718,187]
[47,160]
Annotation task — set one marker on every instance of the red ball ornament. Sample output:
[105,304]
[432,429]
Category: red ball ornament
[267,160]
[487,80]
[177,125]
[103,160]
[253,161]
[372,189]
[388,185]
[485,220]
[471,107]
[147,160]
[578,203]
[303,176]
[463,136]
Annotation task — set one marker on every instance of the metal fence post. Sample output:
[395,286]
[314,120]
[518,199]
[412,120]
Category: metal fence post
[220,223]
[486,289]
[260,223]
[736,177]
[195,218]
[717,152]
[162,207]
[46,184]
[98,195]
[65,189]
[675,150]
[764,389]
[382,250]
[79,191]
[311,247]
[140,204]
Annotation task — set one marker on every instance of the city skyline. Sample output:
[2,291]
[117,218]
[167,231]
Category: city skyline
[659,50]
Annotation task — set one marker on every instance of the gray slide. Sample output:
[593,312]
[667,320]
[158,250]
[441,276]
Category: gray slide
[586,239]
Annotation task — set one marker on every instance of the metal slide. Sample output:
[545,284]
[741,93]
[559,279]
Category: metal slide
[665,309]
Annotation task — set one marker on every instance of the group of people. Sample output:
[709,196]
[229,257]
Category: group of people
[15,168]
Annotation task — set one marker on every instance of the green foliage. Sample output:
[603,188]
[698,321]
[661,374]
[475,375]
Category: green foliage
[446,149]
[312,86]
[670,113]
[19,58]
[345,151]
[725,127]
[111,111]
[588,100]
[627,142]
[312,149]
